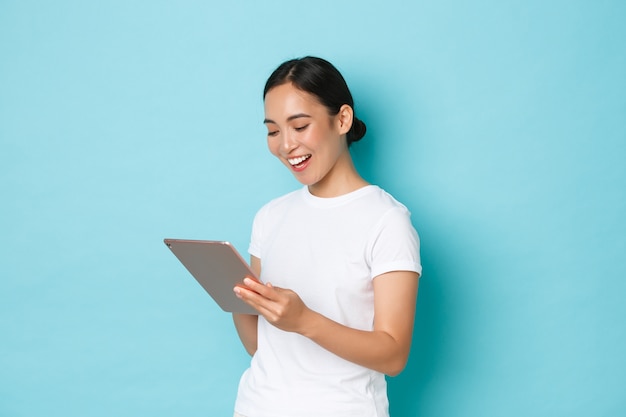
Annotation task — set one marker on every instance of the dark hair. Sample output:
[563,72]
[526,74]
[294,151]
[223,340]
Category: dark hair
[320,78]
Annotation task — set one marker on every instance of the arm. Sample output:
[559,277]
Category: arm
[384,349]
[246,324]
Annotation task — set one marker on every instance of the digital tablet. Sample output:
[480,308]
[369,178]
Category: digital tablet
[218,267]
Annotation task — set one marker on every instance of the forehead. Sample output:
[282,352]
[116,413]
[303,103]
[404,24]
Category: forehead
[285,100]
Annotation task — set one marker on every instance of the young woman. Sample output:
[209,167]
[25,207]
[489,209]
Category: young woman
[338,261]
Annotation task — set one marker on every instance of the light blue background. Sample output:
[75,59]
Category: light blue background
[501,125]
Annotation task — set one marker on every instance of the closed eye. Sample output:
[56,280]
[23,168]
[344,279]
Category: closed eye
[272,133]
[301,128]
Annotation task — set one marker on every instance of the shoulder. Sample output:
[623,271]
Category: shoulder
[391,217]
[267,218]
[385,203]
[393,243]
[281,203]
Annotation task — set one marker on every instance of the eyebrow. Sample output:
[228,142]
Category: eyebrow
[289,119]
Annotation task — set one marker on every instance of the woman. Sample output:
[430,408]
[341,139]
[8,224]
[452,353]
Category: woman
[338,261]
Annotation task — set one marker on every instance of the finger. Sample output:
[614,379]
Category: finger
[252,297]
[255,300]
[266,290]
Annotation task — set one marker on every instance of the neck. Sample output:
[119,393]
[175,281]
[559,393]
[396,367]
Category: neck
[342,179]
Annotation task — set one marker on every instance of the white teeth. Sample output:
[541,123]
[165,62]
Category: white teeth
[299,160]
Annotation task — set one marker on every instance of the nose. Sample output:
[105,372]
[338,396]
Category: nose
[288,143]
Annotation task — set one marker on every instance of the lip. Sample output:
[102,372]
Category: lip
[302,166]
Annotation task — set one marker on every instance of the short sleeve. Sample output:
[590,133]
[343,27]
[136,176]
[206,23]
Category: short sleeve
[256,237]
[394,244]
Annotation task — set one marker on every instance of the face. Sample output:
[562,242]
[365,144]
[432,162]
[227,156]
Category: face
[305,138]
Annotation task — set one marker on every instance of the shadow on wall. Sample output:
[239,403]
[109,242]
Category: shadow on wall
[379,159]
[408,392]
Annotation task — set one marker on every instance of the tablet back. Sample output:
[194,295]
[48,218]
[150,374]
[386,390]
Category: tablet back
[218,267]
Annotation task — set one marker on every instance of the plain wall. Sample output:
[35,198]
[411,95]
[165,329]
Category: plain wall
[500,125]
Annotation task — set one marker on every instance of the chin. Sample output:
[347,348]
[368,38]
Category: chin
[305,181]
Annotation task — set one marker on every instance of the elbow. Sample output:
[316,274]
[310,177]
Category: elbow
[396,360]
[395,366]
[395,371]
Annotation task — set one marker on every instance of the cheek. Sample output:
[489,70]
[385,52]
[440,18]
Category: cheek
[312,139]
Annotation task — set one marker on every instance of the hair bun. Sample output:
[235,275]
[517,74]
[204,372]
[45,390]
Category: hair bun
[357,131]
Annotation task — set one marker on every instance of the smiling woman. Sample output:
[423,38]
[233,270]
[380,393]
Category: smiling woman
[338,262]
[309,107]
[309,141]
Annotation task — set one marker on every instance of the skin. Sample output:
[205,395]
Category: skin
[300,126]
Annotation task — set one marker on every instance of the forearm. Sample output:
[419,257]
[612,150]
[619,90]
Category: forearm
[246,326]
[384,349]
[377,349]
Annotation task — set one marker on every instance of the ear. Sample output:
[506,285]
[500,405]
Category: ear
[344,119]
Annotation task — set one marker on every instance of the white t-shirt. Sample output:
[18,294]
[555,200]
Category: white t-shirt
[328,250]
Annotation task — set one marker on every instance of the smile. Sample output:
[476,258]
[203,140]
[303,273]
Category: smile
[299,160]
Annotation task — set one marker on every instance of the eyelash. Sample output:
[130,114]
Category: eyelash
[297,129]
[301,128]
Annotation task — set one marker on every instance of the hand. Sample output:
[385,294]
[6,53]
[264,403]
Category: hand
[281,307]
